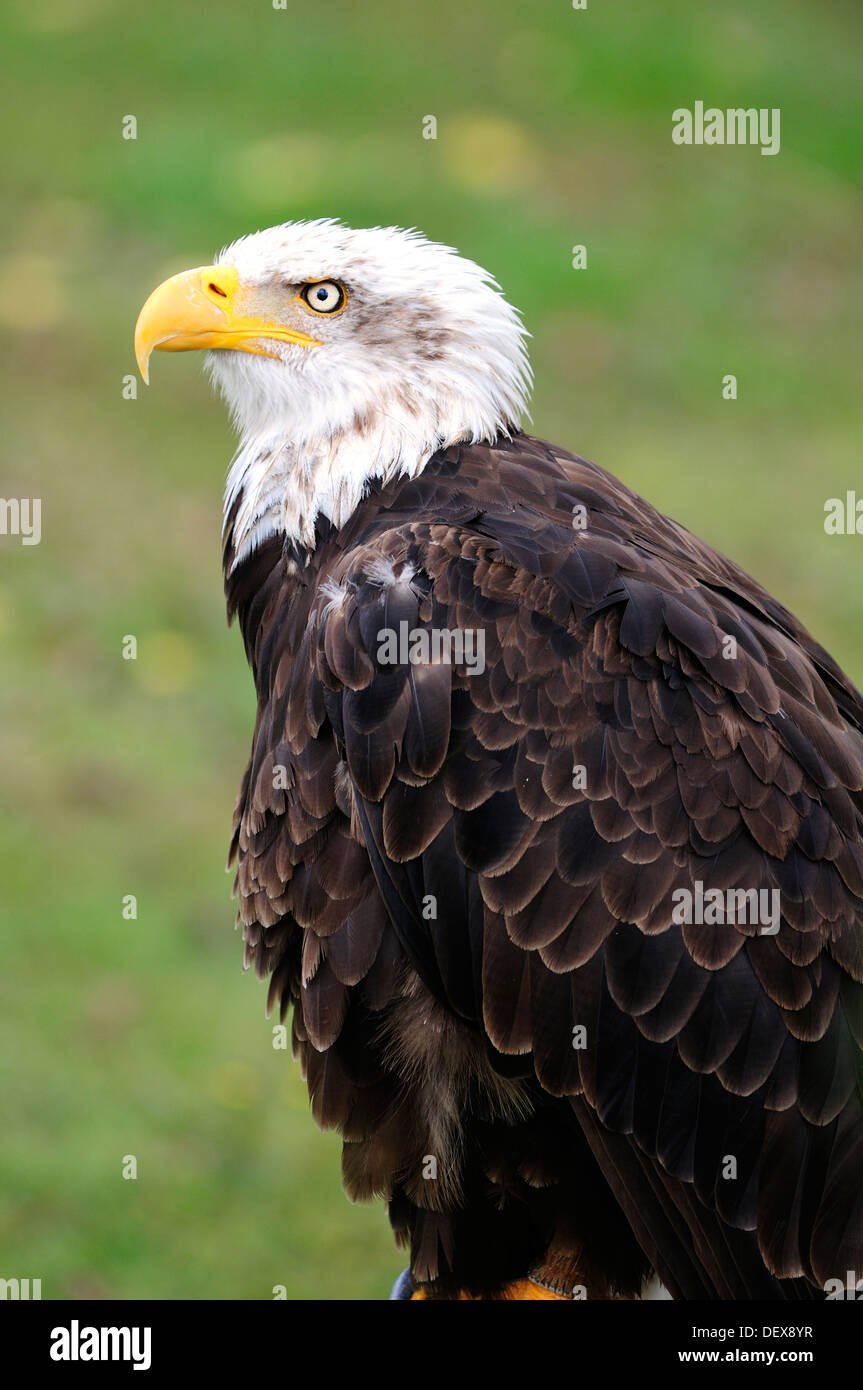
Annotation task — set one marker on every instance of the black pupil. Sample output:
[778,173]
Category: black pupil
[322,293]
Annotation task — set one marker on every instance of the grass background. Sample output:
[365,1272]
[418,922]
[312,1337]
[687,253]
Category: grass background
[141,1037]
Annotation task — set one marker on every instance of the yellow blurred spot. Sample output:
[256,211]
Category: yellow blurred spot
[234,1085]
[31,292]
[167,662]
[488,153]
[290,160]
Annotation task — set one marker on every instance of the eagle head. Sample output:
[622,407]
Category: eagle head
[343,355]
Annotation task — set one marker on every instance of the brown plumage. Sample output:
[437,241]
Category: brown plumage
[443,902]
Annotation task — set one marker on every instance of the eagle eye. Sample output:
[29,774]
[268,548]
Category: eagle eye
[323,296]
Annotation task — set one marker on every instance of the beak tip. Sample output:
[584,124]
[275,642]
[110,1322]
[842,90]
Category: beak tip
[142,357]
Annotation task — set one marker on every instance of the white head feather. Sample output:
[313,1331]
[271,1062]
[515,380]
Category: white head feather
[426,353]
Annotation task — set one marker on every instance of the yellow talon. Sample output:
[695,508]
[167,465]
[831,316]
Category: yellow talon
[517,1289]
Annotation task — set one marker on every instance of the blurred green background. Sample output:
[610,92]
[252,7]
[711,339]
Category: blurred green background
[142,1037]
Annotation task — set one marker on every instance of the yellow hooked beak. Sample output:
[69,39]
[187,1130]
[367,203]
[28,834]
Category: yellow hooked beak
[199,309]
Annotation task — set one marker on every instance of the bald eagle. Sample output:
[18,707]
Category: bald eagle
[552,832]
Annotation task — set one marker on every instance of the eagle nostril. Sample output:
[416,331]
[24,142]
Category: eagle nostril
[217,289]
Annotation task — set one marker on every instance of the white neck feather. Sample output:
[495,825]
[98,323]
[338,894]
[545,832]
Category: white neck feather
[287,479]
